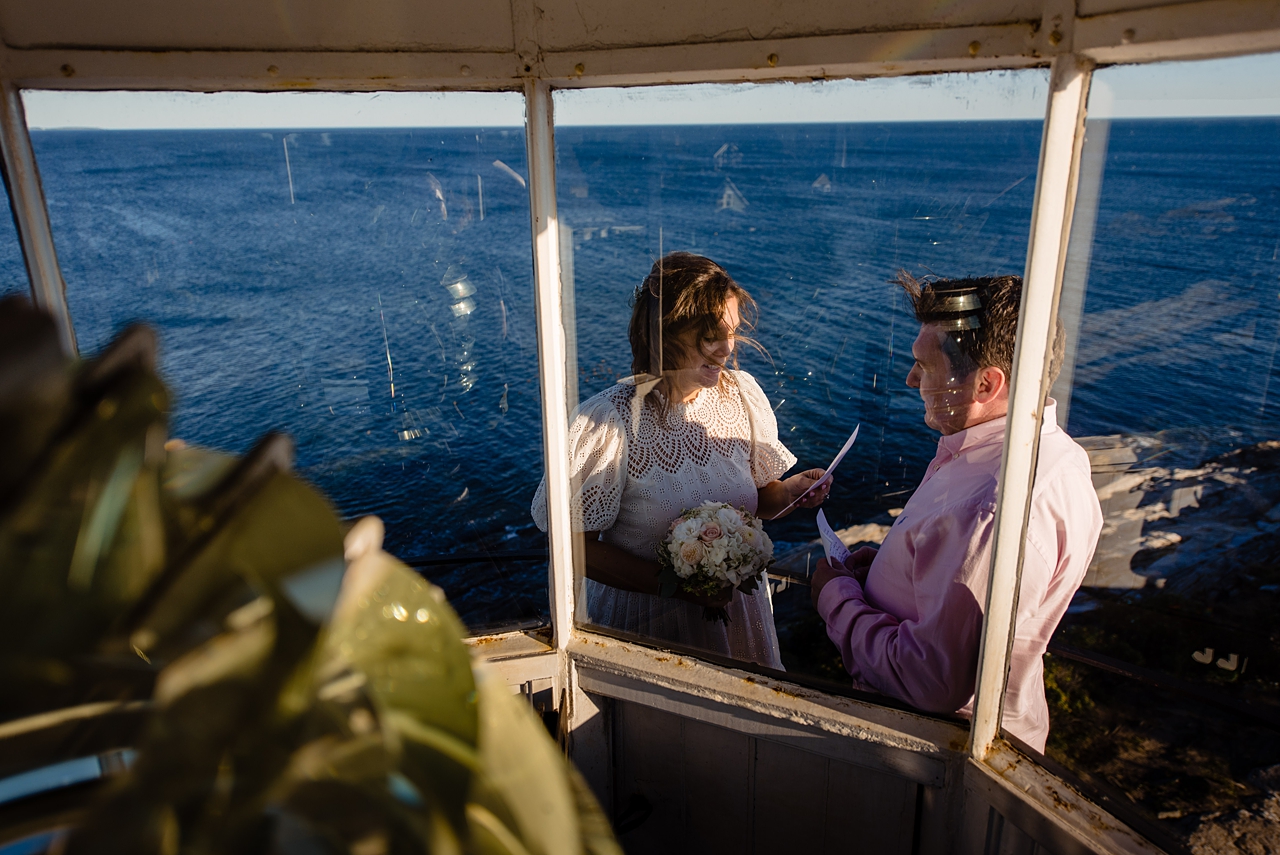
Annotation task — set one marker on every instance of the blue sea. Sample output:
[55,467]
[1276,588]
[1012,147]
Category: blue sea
[370,293]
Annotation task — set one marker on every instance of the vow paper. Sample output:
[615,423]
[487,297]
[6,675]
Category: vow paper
[826,475]
[831,543]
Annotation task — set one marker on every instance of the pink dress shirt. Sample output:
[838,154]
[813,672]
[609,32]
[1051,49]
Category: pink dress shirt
[914,629]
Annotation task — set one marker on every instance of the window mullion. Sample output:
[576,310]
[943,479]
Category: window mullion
[539,134]
[1050,225]
[31,216]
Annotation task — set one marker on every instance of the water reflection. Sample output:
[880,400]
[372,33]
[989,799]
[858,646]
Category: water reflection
[815,220]
[382,316]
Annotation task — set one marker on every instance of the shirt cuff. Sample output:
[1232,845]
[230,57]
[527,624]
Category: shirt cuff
[839,590]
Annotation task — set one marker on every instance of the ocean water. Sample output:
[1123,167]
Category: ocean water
[370,293]
[13,273]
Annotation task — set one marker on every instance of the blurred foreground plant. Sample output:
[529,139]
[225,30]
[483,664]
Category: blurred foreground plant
[290,694]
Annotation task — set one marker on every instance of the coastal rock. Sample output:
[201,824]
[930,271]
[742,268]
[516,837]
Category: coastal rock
[1266,779]
[1249,831]
[1185,528]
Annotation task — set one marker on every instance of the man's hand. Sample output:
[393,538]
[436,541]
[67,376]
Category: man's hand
[860,562]
[855,567]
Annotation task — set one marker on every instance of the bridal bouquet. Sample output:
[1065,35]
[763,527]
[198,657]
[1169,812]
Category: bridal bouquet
[714,545]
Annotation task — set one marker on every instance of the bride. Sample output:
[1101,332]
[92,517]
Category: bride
[685,430]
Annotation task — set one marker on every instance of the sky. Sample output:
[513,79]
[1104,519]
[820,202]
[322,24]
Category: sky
[1240,86]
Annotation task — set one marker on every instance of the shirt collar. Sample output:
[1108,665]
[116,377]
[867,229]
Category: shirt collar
[990,432]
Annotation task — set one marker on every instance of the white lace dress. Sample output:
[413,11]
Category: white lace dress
[635,469]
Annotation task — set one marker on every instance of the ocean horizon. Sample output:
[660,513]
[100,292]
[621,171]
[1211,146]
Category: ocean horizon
[370,293]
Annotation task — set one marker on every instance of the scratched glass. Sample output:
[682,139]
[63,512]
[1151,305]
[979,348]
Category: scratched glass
[1163,676]
[813,197]
[365,289]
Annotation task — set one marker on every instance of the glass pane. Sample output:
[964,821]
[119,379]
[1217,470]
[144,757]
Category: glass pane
[13,270]
[812,197]
[361,280]
[1163,676]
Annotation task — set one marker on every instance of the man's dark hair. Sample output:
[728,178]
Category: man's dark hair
[980,318]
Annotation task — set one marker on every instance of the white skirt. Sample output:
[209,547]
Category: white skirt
[750,635]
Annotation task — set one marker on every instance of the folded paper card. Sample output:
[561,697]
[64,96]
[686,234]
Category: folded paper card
[831,542]
[827,473]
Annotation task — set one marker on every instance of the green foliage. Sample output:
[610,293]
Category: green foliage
[298,702]
[1167,755]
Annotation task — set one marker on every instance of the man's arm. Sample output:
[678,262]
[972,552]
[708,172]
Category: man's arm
[929,659]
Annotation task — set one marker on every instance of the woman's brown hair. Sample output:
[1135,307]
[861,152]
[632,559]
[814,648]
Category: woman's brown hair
[687,293]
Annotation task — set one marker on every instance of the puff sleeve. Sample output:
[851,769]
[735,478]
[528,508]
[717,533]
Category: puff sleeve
[769,457]
[597,468]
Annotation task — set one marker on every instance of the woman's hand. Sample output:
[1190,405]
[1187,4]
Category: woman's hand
[776,496]
[719,600]
[800,486]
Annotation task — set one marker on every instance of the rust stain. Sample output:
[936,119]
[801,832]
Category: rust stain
[1058,801]
[1096,824]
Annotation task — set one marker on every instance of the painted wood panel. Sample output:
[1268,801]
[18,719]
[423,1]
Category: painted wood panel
[791,799]
[247,25]
[878,810]
[681,785]
[718,781]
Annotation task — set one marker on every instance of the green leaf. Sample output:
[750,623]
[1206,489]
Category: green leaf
[396,629]
[522,785]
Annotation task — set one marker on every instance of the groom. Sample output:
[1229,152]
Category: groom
[908,618]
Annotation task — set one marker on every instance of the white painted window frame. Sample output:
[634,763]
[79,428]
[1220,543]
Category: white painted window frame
[579,662]
[31,215]
[1062,139]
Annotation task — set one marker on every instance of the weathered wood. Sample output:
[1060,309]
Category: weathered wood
[650,776]
[1057,817]
[914,765]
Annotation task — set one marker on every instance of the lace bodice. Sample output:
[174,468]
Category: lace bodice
[636,464]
